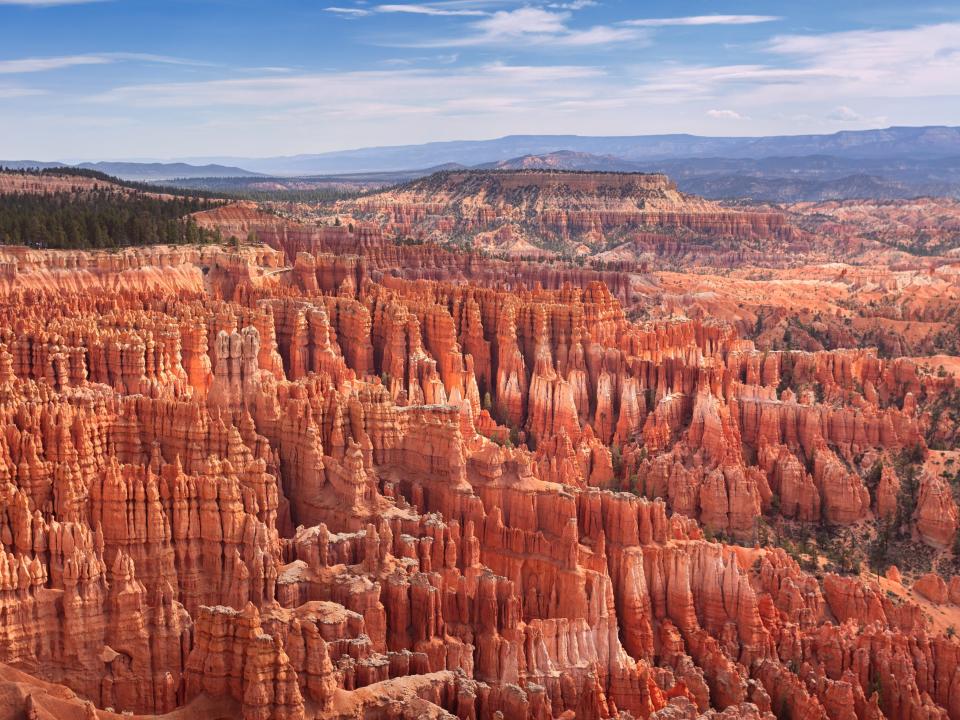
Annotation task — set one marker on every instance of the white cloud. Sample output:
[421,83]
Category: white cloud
[820,71]
[726,115]
[523,21]
[381,93]
[845,114]
[348,12]
[279,69]
[535,26]
[599,35]
[44,64]
[824,73]
[914,62]
[9,92]
[436,10]
[790,83]
[30,65]
[158,59]
[47,3]
[696,20]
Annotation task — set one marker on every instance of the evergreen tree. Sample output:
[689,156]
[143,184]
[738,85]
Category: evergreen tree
[100,219]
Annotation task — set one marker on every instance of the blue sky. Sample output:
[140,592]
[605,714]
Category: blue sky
[110,79]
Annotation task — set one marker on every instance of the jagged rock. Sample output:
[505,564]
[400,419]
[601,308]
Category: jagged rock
[287,495]
[936,513]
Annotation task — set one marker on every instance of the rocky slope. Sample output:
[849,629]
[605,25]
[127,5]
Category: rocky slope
[921,226]
[530,211]
[342,478]
[839,288]
[909,309]
[15,182]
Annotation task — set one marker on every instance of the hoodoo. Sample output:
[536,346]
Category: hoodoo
[330,475]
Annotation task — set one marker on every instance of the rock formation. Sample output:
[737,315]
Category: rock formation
[538,212]
[353,489]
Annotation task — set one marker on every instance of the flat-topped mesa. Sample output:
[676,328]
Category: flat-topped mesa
[362,251]
[529,212]
[587,182]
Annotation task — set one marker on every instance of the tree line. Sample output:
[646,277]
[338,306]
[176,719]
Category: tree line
[100,218]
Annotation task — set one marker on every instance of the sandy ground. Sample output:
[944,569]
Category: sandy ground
[941,616]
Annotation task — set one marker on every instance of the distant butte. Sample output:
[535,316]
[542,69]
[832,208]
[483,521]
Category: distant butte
[548,211]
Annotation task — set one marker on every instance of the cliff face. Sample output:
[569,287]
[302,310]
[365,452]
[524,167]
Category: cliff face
[523,211]
[808,276]
[352,489]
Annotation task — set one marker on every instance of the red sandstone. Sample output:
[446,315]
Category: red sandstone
[359,487]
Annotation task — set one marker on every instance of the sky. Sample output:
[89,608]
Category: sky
[138,79]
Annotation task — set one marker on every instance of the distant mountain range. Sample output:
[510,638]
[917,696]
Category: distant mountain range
[779,179]
[895,142]
[144,172]
[890,163]
[775,179]
[567,160]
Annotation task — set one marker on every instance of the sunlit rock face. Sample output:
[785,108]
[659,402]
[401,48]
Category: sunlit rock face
[543,212]
[291,482]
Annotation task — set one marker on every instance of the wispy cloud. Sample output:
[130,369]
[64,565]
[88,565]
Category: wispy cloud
[381,93]
[534,26]
[830,72]
[524,21]
[597,36]
[438,10]
[158,59]
[279,69]
[573,5]
[47,3]
[30,65]
[829,69]
[348,12]
[845,114]
[60,62]
[348,94]
[912,62]
[11,91]
[696,20]
[726,115]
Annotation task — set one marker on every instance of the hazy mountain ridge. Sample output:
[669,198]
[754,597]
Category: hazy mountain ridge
[891,163]
[780,179]
[777,179]
[140,171]
[896,142]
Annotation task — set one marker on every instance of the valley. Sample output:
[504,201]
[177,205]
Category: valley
[488,444]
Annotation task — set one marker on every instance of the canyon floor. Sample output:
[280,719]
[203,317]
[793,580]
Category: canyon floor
[488,445]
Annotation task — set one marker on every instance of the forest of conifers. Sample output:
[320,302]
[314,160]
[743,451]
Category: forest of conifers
[100,219]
